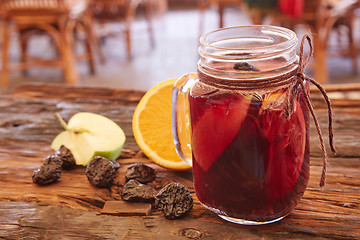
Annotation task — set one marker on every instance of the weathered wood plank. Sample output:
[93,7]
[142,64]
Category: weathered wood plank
[32,220]
[70,208]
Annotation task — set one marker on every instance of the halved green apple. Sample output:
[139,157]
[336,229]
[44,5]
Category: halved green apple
[88,135]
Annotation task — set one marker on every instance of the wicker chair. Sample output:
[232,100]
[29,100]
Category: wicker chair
[109,11]
[321,18]
[58,18]
[220,5]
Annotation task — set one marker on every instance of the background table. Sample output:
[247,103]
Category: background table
[70,208]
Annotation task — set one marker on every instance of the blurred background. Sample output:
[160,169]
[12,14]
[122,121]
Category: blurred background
[135,44]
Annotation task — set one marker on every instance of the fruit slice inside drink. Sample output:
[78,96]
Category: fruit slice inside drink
[286,148]
[216,125]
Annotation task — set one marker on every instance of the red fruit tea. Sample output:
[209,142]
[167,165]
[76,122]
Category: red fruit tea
[250,162]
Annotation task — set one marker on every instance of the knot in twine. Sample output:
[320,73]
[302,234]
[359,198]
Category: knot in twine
[294,79]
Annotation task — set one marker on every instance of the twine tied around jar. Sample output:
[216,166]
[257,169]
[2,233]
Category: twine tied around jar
[294,79]
[298,80]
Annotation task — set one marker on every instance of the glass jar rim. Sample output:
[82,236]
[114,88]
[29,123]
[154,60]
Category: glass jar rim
[218,39]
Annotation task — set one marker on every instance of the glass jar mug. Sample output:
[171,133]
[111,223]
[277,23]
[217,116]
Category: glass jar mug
[249,151]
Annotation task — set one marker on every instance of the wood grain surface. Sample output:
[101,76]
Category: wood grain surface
[70,208]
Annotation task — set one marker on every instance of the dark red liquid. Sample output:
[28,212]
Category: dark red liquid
[249,161]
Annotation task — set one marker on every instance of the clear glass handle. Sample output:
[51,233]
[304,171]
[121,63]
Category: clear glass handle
[180,116]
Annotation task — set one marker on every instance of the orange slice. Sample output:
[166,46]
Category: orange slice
[152,127]
[273,101]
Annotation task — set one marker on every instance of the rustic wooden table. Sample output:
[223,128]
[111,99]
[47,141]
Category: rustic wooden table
[71,207]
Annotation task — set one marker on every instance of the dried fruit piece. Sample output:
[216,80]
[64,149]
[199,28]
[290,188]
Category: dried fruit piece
[49,171]
[245,66]
[140,172]
[52,159]
[67,159]
[174,200]
[134,191]
[101,172]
